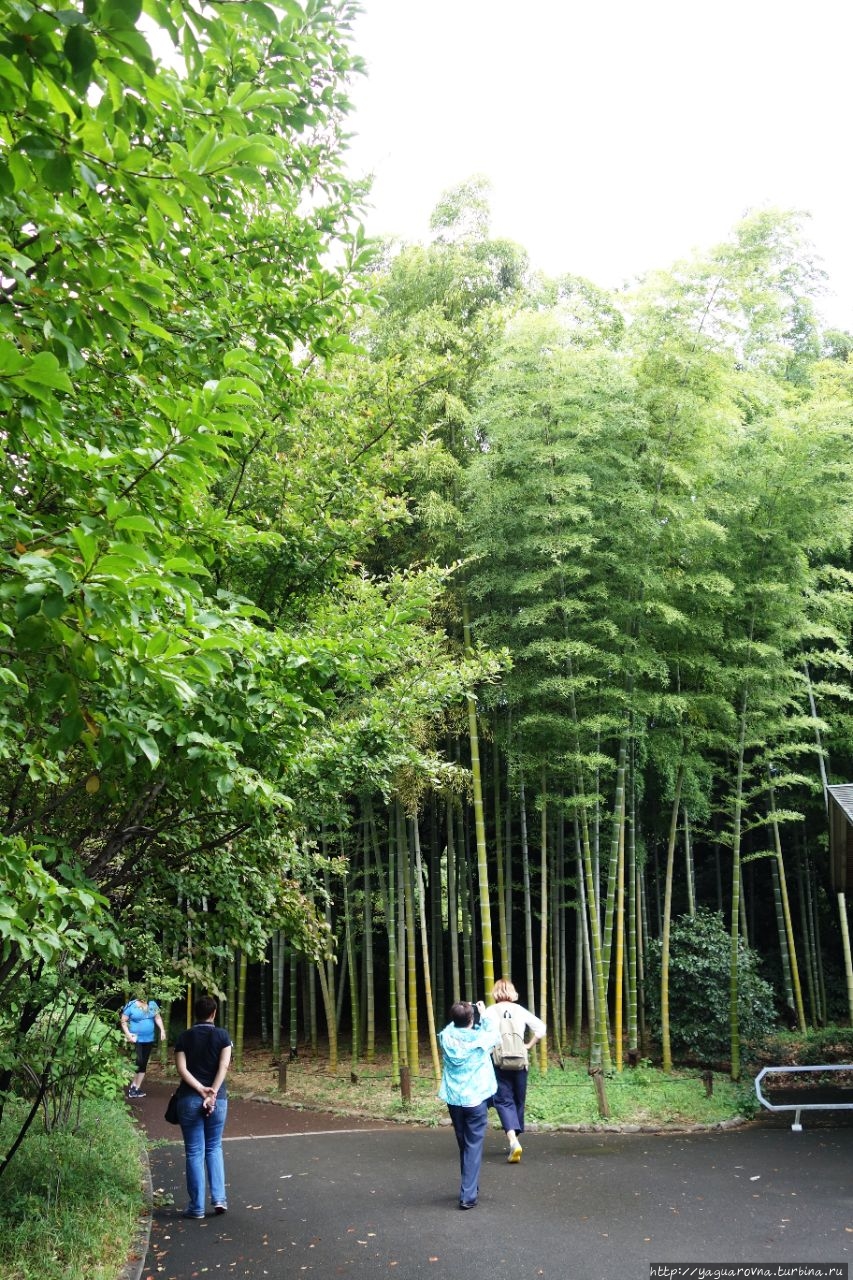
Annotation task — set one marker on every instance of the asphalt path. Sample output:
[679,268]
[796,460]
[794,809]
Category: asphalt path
[319,1196]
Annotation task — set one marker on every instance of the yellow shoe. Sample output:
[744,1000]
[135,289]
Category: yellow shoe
[514,1153]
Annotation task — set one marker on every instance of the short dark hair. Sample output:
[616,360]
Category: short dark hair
[462,1013]
[203,1007]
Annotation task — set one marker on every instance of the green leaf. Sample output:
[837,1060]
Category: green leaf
[141,524]
[168,205]
[257,151]
[151,750]
[156,224]
[9,72]
[263,15]
[123,12]
[86,545]
[11,360]
[58,174]
[44,371]
[180,564]
[203,149]
[80,50]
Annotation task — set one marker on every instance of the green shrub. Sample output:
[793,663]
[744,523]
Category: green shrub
[826,1044]
[70,1200]
[78,1057]
[699,961]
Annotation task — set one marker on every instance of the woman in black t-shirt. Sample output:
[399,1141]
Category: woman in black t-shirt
[202,1057]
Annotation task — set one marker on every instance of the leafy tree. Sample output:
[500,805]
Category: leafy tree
[186,649]
[699,968]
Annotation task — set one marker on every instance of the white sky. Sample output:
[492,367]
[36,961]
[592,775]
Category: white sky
[618,135]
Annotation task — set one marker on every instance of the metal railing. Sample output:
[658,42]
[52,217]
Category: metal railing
[798,1107]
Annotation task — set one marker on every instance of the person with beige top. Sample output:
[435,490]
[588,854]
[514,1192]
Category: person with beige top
[511,1093]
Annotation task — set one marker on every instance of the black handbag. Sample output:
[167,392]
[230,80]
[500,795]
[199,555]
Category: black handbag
[171,1116]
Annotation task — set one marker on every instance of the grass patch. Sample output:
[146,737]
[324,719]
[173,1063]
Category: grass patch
[642,1096]
[70,1200]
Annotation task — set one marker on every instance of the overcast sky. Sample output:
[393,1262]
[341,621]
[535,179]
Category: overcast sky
[617,135]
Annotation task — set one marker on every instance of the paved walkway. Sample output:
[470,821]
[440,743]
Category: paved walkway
[316,1196]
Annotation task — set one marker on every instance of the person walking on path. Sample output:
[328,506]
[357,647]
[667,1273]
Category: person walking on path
[140,1020]
[511,1090]
[202,1057]
[467,1084]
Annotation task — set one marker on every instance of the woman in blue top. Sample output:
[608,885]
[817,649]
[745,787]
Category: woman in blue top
[467,1083]
[140,1020]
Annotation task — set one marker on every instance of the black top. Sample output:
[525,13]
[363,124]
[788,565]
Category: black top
[202,1045]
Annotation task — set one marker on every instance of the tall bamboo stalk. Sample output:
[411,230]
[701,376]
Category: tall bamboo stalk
[430,1012]
[666,1050]
[841,899]
[583,962]
[243,961]
[355,1015]
[787,984]
[402,1011]
[599,1041]
[620,941]
[793,967]
[452,905]
[480,829]
[688,867]
[387,891]
[331,1023]
[528,907]
[845,945]
[508,884]
[411,935]
[808,943]
[369,979]
[465,883]
[436,913]
[499,859]
[543,927]
[613,861]
[277,945]
[230,997]
[294,987]
[734,945]
[631,872]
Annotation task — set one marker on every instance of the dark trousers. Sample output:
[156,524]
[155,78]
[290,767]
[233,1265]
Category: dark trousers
[510,1097]
[143,1053]
[469,1125]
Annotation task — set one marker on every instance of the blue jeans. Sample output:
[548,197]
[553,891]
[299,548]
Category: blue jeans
[510,1098]
[203,1149]
[469,1125]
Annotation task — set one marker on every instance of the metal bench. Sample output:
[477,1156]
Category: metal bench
[832,1100]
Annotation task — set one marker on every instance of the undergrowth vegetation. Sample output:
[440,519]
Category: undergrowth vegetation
[72,1197]
[562,1097]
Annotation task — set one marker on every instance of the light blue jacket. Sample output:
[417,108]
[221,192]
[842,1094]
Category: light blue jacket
[468,1077]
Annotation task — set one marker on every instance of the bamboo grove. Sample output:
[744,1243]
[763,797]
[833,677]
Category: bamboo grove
[379,620]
